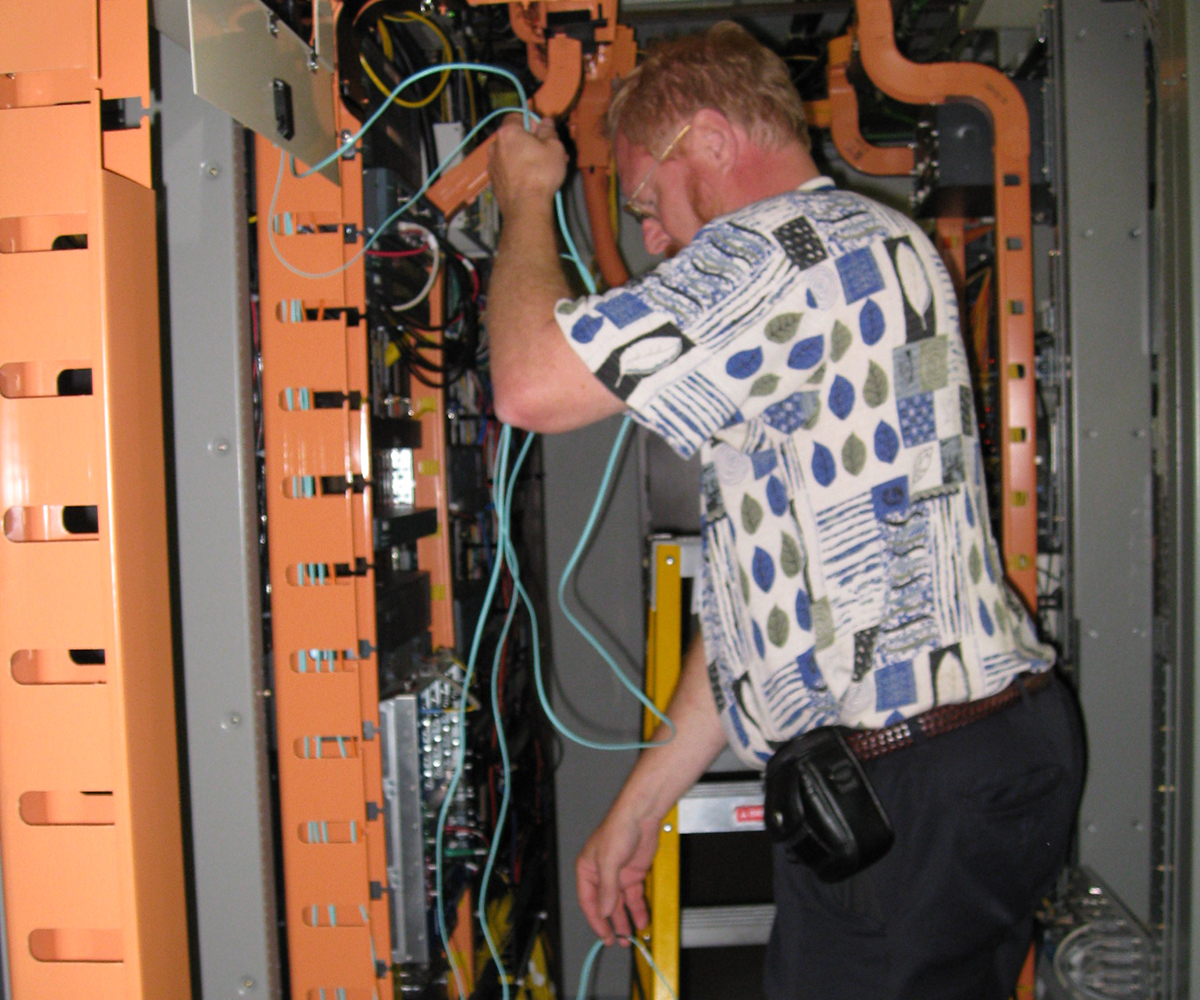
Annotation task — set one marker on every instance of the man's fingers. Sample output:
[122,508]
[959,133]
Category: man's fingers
[588,888]
[635,902]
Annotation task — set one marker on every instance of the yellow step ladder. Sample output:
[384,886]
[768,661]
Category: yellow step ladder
[710,807]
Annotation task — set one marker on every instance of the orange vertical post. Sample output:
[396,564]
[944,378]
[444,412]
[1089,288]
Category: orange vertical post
[320,539]
[429,462]
[90,829]
[935,83]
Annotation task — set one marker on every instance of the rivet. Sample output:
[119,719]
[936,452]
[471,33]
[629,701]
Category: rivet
[219,446]
[1093,634]
[666,828]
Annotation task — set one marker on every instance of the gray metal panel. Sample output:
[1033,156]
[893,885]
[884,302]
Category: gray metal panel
[210,351]
[170,17]
[725,926]
[241,47]
[1179,187]
[586,695]
[1105,235]
[722,807]
[402,815]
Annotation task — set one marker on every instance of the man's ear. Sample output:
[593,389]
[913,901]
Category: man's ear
[715,140]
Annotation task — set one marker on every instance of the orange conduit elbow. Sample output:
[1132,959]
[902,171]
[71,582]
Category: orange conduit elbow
[608,257]
[936,83]
[879,161]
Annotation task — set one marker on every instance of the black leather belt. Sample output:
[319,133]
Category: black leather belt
[867,744]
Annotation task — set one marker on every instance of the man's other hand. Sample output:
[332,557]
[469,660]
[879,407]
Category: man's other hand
[526,166]
[610,871]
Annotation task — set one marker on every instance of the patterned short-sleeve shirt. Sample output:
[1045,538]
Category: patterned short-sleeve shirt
[808,346]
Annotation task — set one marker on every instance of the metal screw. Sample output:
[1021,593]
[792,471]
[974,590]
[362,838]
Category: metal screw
[1135,232]
[666,828]
[1082,33]
[670,560]
[246,985]
[313,63]
[1093,634]
[1089,233]
[273,25]
[219,446]
[1091,828]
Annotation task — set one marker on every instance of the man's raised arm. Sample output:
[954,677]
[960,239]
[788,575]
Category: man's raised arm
[539,382]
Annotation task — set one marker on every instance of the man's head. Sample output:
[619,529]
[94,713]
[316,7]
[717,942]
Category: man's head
[724,69]
[704,125]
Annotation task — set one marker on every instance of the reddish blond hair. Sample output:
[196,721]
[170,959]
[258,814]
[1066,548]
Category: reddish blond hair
[725,69]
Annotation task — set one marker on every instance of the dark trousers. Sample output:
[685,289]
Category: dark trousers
[983,820]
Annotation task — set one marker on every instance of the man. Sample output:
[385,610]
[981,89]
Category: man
[806,342]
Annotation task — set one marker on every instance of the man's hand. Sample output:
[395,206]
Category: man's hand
[526,166]
[609,873]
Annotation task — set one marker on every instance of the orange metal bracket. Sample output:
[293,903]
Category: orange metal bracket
[881,161]
[935,83]
[326,674]
[90,828]
[463,183]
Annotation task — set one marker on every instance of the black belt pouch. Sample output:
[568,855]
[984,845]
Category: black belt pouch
[820,805]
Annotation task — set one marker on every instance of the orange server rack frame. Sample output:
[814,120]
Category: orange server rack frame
[90,829]
[319,536]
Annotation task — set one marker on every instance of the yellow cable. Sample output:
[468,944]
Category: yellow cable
[385,39]
[447,52]
[447,55]
[387,90]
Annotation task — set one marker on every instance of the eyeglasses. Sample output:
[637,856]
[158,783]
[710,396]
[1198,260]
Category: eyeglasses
[641,213]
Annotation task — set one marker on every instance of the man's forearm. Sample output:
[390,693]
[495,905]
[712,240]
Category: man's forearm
[662,774]
[527,280]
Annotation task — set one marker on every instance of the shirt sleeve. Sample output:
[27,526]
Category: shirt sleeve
[666,343]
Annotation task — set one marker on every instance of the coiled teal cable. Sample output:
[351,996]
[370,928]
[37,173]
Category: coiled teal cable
[585,974]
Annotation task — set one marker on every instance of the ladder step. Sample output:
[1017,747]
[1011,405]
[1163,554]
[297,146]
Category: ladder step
[725,926]
[722,807]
